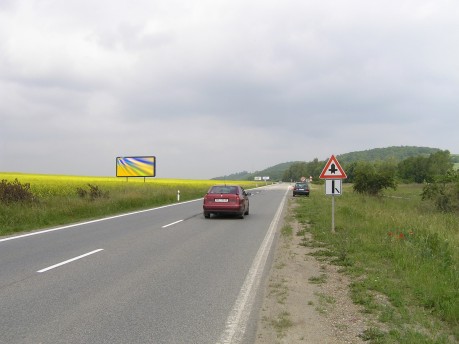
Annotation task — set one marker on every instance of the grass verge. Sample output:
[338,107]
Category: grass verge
[402,257]
[66,199]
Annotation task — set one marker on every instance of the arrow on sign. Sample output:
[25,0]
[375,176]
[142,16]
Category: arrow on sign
[333,170]
[333,187]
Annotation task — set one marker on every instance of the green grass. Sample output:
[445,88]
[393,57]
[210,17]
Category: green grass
[282,323]
[398,249]
[318,279]
[58,202]
[287,230]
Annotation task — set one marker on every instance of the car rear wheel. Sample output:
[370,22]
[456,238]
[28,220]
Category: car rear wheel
[207,215]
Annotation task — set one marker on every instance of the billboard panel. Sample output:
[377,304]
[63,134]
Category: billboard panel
[136,166]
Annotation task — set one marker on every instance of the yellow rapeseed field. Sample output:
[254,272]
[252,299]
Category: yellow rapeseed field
[60,199]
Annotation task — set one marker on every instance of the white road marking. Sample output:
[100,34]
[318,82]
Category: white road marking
[239,316]
[171,224]
[94,221]
[70,260]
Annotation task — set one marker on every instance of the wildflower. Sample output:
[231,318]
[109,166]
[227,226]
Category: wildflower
[401,236]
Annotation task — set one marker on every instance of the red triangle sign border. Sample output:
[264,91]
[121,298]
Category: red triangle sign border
[341,175]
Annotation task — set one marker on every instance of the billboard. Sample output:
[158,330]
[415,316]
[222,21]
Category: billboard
[136,166]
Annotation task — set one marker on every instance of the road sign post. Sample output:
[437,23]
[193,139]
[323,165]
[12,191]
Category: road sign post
[333,214]
[333,174]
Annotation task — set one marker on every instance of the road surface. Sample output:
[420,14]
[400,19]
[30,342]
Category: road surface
[164,275]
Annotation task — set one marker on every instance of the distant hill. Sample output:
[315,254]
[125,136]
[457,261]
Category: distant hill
[274,173]
[396,153]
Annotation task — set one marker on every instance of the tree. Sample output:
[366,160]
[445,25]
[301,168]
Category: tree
[421,169]
[413,169]
[371,179]
[439,164]
[303,169]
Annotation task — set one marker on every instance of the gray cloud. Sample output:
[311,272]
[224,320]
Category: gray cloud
[212,88]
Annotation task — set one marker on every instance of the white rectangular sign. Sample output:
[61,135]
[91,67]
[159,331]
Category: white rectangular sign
[333,187]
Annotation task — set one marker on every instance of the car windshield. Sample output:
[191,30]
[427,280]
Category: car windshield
[223,189]
[301,185]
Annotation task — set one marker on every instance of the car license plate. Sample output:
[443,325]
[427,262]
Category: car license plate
[221,200]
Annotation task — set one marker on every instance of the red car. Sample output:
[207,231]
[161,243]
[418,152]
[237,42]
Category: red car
[226,199]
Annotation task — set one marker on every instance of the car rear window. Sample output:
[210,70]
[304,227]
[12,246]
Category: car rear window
[302,185]
[224,190]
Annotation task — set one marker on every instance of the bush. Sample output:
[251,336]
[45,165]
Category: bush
[444,193]
[94,192]
[372,179]
[15,192]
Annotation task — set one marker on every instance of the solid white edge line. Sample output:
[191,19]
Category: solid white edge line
[239,316]
[94,221]
[69,261]
[171,224]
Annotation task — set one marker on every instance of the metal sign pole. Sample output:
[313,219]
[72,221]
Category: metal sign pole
[333,174]
[333,214]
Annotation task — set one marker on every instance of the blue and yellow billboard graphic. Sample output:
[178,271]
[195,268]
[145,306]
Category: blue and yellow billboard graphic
[136,166]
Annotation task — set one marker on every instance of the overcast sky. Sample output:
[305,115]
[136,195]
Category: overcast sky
[213,87]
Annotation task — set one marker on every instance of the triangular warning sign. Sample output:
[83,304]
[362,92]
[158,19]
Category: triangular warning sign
[333,170]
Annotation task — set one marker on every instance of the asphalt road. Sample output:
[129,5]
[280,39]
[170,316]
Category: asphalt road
[165,275]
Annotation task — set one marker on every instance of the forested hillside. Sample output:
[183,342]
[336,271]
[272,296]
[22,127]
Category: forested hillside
[274,173]
[281,171]
[396,153]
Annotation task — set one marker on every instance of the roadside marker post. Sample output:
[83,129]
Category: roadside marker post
[333,175]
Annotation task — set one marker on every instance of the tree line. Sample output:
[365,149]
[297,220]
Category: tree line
[441,180]
[418,169]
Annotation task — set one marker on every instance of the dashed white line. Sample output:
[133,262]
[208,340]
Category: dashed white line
[70,260]
[171,224]
[95,221]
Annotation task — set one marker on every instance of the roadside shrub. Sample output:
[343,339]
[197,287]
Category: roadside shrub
[444,196]
[12,192]
[372,179]
[81,192]
[93,193]
[444,193]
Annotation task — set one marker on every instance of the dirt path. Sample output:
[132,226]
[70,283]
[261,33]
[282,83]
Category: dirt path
[306,301]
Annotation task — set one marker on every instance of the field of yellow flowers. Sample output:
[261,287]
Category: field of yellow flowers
[64,199]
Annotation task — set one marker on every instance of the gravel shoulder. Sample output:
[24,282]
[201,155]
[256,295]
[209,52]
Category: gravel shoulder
[306,300]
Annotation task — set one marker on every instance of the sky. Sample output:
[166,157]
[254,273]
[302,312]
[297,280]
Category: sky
[214,87]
